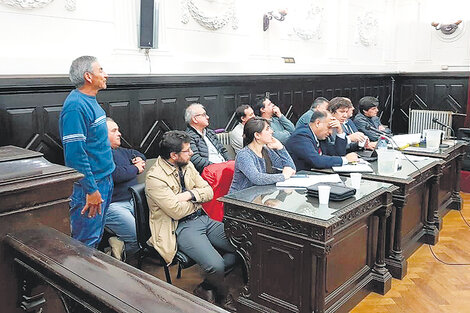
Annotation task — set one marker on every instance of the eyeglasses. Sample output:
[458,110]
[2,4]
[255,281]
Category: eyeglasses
[186,151]
[202,114]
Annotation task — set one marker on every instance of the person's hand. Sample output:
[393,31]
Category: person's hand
[288,172]
[137,159]
[277,111]
[334,123]
[140,165]
[370,145]
[184,196]
[357,137]
[351,157]
[382,128]
[93,204]
[275,144]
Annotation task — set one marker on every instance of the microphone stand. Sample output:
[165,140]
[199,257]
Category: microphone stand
[434,120]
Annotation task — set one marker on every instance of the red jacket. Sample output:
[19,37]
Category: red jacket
[219,176]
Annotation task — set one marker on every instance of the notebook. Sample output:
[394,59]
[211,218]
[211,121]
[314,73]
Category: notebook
[338,192]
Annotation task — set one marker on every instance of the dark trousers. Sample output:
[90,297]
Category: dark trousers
[200,238]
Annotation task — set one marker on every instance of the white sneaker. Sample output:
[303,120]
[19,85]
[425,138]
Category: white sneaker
[117,247]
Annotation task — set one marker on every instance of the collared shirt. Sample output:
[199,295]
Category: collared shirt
[342,135]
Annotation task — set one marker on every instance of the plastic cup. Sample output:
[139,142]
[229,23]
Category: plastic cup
[356,180]
[323,194]
[362,143]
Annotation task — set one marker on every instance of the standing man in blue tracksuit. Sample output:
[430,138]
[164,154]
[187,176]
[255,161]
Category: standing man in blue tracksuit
[82,127]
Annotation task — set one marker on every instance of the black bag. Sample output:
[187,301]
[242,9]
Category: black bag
[338,192]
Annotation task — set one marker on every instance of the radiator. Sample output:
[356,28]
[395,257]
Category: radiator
[422,119]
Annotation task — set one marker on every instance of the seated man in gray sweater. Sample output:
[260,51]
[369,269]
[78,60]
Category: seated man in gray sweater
[281,126]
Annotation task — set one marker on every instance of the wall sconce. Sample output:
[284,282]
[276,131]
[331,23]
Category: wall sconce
[280,16]
[446,29]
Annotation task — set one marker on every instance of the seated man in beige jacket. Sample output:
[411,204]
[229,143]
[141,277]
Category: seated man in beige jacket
[175,191]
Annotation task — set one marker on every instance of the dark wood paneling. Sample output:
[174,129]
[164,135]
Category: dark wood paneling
[146,106]
[429,92]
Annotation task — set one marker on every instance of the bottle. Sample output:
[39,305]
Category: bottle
[382,143]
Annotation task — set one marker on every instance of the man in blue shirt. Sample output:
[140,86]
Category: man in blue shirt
[82,127]
[319,103]
[280,124]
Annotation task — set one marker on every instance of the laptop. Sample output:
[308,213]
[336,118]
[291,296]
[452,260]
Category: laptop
[368,155]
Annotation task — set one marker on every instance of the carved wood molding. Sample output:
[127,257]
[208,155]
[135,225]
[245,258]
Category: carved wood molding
[241,236]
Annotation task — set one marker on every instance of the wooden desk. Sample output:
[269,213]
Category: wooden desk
[302,257]
[449,186]
[414,218]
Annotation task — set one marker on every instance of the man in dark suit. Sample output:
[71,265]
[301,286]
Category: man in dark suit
[309,147]
[350,127]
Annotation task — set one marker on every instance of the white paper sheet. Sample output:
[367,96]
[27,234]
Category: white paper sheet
[308,180]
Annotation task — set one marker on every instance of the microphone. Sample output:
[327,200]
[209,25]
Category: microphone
[436,121]
[384,134]
[375,130]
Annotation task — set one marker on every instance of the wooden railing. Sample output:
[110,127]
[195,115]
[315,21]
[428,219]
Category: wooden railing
[55,273]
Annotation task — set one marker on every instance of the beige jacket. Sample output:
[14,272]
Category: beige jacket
[161,187]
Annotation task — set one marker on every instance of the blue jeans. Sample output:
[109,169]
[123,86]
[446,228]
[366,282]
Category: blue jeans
[199,238]
[120,219]
[85,229]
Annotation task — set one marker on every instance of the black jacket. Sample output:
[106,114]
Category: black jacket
[200,158]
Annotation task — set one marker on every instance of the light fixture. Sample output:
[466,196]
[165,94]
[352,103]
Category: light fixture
[280,16]
[447,29]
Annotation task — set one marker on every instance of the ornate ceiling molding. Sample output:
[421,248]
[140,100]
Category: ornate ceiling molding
[308,25]
[70,5]
[208,13]
[367,29]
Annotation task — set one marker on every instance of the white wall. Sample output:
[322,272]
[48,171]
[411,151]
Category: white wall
[343,36]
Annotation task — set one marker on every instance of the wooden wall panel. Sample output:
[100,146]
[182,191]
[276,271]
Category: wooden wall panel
[146,106]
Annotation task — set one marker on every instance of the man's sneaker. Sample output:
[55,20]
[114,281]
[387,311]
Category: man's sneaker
[117,247]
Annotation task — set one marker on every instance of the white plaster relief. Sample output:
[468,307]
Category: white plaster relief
[367,29]
[211,14]
[70,5]
[456,35]
[308,22]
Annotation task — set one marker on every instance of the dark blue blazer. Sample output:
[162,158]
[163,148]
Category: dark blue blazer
[303,148]
[351,125]
[353,146]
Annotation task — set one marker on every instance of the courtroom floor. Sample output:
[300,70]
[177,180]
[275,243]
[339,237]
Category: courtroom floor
[429,286]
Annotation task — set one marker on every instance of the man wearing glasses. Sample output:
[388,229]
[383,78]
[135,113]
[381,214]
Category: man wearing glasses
[175,191]
[206,147]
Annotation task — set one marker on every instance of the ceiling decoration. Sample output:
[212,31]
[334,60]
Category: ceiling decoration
[70,5]
[308,23]
[367,29]
[210,14]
